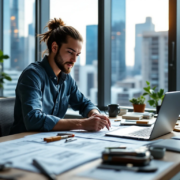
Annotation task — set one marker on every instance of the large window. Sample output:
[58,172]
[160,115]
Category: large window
[138,40]
[18,39]
[82,15]
[139,48]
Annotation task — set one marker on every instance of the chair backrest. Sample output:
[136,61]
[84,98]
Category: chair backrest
[6,115]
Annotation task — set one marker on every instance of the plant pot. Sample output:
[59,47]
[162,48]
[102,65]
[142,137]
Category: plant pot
[157,109]
[139,107]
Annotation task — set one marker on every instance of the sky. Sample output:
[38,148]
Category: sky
[80,13]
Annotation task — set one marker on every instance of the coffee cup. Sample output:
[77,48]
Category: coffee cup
[113,110]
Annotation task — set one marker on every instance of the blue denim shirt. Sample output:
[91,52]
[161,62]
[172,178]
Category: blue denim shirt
[41,101]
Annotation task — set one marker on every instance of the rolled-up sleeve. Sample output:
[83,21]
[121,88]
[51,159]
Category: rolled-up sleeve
[30,94]
[79,102]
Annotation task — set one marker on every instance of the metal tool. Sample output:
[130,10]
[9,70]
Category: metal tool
[70,140]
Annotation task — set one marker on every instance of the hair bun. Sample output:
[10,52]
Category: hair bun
[55,23]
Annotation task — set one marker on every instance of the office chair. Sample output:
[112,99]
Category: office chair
[6,115]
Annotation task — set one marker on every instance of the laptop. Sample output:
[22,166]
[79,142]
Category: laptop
[165,122]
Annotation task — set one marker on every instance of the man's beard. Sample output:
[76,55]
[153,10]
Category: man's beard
[59,62]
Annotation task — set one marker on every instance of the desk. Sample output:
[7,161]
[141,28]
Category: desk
[168,174]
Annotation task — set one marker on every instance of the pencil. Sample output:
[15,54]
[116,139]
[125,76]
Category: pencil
[57,138]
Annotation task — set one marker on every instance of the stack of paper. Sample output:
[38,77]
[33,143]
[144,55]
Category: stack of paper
[145,115]
[131,116]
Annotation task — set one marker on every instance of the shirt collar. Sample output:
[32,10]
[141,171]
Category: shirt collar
[50,72]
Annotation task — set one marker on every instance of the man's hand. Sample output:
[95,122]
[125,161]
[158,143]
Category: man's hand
[96,122]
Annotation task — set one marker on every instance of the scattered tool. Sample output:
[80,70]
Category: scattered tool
[57,138]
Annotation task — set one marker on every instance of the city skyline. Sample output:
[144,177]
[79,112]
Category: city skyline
[86,8]
[90,17]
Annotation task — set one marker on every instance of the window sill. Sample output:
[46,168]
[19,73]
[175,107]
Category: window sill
[71,114]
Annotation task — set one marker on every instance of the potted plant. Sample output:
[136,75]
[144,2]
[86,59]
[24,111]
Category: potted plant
[155,97]
[3,75]
[138,103]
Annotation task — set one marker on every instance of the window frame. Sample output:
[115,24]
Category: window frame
[173,46]
[1,36]
[42,16]
[104,53]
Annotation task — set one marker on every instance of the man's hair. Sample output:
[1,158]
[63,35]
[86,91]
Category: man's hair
[58,33]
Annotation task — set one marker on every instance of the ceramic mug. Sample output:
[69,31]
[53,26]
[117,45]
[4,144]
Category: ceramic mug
[113,110]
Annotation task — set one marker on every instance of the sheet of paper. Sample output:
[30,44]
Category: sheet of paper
[87,145]
[105,174]
[92,135]
[57,159]
[54,155]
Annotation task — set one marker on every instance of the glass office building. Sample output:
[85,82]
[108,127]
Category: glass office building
[91,43]
[118,64]
[18,40]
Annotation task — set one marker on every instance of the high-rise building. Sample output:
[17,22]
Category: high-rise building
[87,78]
[17,34]
[91,43]
[126,89]
[118,64]
[16,45]
[155,59]
[139,29]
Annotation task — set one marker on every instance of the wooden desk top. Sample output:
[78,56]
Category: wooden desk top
[168,174]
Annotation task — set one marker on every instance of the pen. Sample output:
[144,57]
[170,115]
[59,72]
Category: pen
[57,138]
[120,147]
[43,170]
[62,134]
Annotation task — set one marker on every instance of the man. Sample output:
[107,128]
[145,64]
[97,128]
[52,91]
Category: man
[45,88]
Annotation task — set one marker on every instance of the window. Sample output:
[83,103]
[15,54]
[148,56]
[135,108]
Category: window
[18,39]
[138,35]
[139,47]
[82,15]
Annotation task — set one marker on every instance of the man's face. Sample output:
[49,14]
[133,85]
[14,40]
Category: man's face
[67,55]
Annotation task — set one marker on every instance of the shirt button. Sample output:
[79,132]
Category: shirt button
[55,78]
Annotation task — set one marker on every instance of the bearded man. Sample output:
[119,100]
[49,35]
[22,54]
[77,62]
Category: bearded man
[45,89]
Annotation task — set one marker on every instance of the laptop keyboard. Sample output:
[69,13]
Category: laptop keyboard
[144,132]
